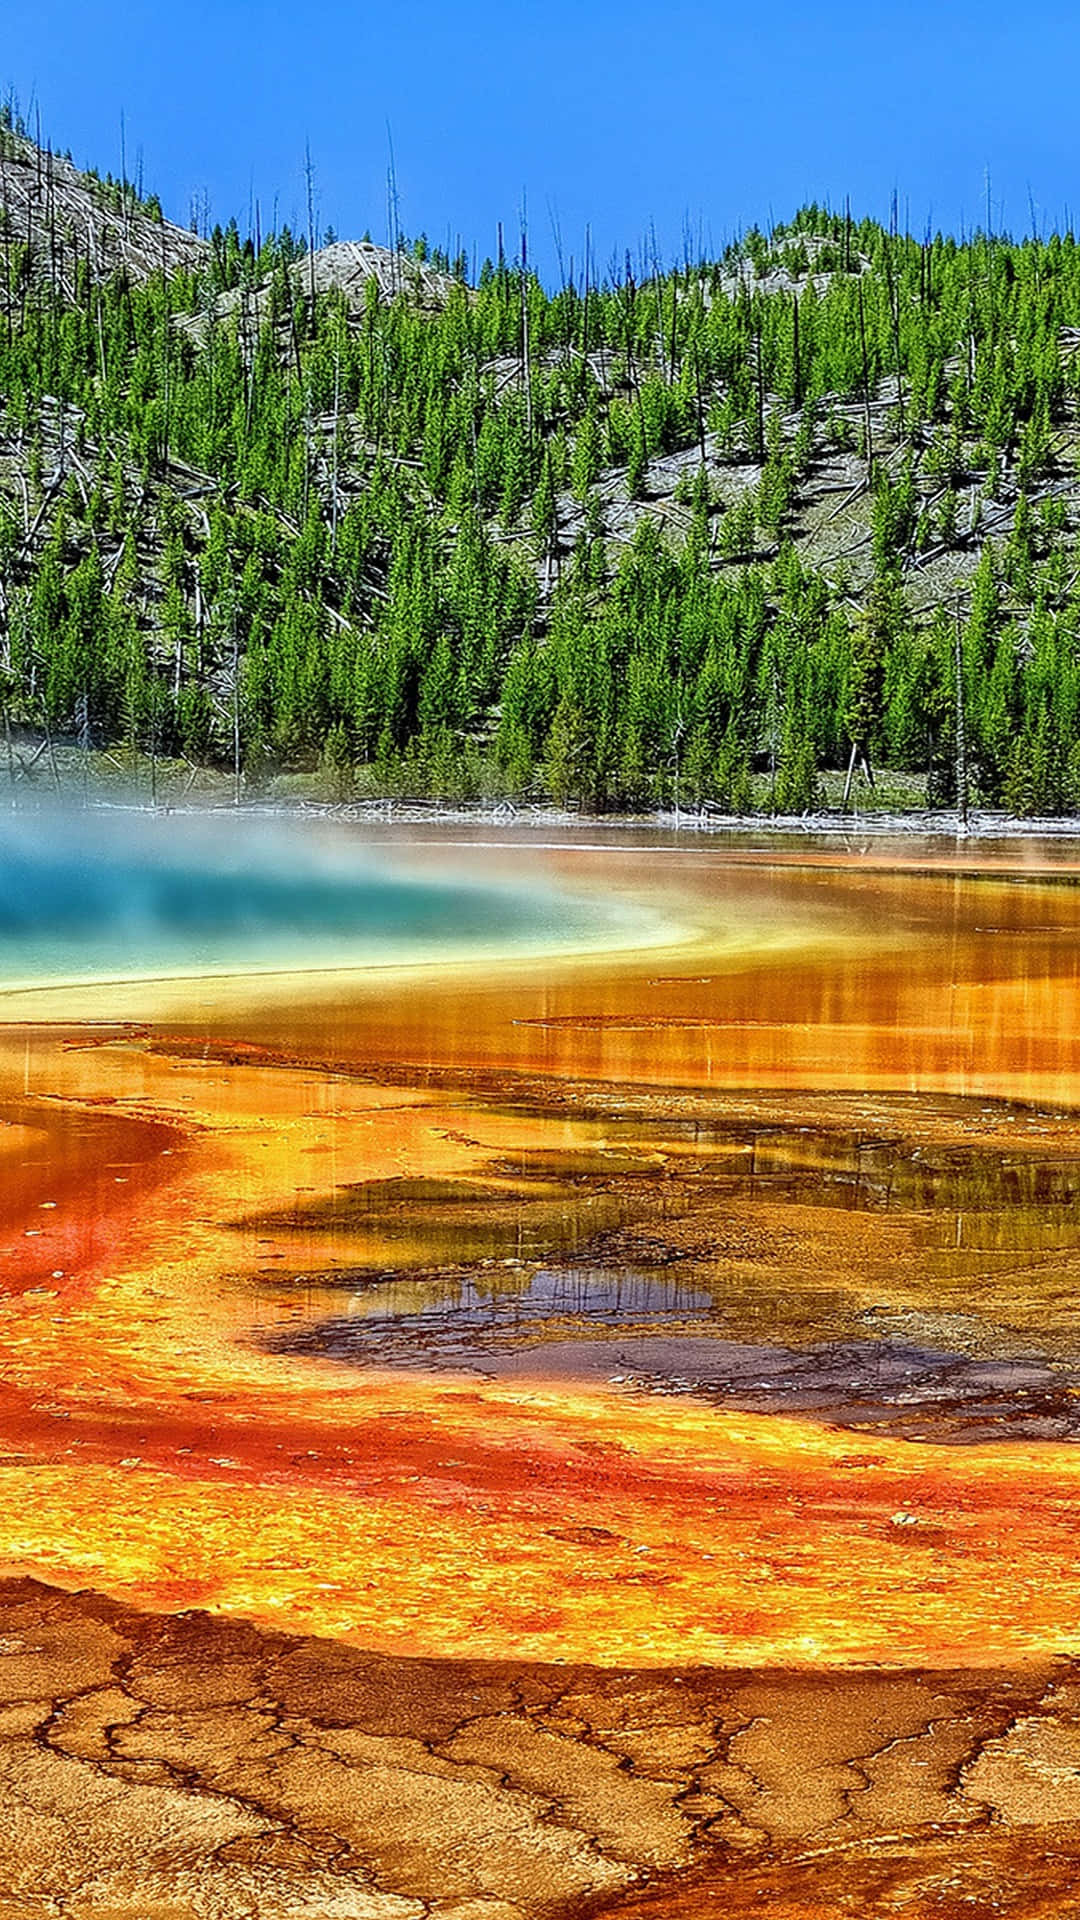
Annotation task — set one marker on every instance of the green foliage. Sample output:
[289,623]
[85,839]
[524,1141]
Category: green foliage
[370,540]
[797,788]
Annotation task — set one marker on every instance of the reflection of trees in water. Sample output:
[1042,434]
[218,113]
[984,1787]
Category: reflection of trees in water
[848,1170]
[787,1230]
[517,1302]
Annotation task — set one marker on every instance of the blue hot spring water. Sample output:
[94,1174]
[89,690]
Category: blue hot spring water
[98,895]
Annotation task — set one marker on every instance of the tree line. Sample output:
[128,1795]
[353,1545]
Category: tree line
[552,543]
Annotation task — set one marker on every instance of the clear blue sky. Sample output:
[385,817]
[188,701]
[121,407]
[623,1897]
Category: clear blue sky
[615,116]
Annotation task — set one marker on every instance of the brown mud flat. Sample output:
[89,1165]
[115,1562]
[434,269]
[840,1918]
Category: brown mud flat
[157,1767]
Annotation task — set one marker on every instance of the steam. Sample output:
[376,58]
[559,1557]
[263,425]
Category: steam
[99,894]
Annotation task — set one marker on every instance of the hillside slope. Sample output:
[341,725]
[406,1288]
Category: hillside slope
[54,218]
[701,535]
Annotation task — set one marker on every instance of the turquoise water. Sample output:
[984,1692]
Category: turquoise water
[103,896]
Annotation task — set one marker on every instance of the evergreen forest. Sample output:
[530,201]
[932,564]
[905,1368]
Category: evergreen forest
[702,534]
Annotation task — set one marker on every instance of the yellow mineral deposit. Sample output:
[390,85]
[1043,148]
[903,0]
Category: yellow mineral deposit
[350,1573]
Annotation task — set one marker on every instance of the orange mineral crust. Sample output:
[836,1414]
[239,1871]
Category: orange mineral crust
[706,1308]
[475,1527]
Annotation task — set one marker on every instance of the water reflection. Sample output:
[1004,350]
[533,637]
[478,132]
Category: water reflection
[641,1207]
[595,1324]
[472,1323]
[835,977]
[945,1306]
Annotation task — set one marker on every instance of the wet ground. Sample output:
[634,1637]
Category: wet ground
[676,1325]
[562,1440]
[914,1393]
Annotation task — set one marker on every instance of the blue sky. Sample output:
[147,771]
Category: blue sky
[674,113]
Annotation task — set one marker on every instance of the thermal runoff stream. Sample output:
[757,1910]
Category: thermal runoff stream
[538,1377]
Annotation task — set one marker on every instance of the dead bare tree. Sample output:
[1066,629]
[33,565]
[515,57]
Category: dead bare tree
[526,379]
[337,411]
[961,728]
[867,422]
[309,184]
[760,384]
[894,312]
[235,709]
[393,214]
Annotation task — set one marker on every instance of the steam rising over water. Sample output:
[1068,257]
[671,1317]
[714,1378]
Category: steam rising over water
[99,895]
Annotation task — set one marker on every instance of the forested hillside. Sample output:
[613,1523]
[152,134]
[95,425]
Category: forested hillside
[688,534]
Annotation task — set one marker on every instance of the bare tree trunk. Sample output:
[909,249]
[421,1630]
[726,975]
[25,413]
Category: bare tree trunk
[7,242]
[525,379]
[894,309]
[309,182]
[700,410]
[337,404]
[585,305]
[8,745]
[295,340]
[101,337]
[631,358]
[84,743]
[866,387]
[961,730]
[760,393]
[394,216]
[50,749]
[166,451]
[850,777]
[236,713]
[123,177]
[248,350]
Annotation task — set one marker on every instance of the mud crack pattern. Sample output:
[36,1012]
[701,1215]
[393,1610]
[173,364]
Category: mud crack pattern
[183,1765]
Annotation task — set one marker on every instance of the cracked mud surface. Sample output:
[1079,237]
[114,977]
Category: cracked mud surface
[616,1423]
[191,1766]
